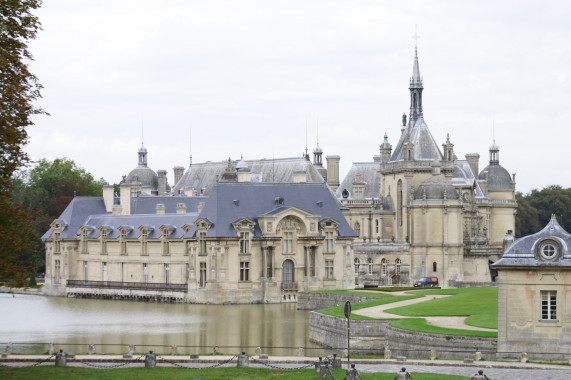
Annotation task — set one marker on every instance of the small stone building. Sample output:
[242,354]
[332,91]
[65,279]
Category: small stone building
[534,301]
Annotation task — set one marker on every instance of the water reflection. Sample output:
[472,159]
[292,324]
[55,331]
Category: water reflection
[106,324]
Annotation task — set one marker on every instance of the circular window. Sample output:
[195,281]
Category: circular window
[548,251]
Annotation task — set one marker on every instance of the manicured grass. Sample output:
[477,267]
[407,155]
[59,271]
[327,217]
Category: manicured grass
[480,305]
[419,324]
[355,292]
[159,373]
[339,311]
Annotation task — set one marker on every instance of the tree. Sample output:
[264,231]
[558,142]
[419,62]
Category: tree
[535,209]
[18,90]
[44,192]
[526,219]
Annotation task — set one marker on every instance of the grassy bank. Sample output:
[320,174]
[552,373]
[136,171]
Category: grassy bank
[64,373]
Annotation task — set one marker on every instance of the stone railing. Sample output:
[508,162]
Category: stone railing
[289,286]
[127,285]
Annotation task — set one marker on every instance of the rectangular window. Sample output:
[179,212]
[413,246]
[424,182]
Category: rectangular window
[57,245]
[269,264]
[202,242]
[124,272]
[187,272]
[358,192]
[312,263]
[548,305]
[57,268]
[85,271]
[84,241]
[167,273]
[166,250]
[104,271]
[244,242]
[288,242]
[144,246]
[123,242]
[145,273]
[329,269]
[329,242]
[244,271]
[202,281]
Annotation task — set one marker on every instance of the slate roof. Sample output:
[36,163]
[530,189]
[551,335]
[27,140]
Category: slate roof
[370,173]
[425,147]
[522,252]
[464,176]
[76,213]
[280,170]
[256,199]
[498,177]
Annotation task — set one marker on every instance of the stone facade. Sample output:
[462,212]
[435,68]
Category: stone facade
[534,302]
[421,211]
[245,243]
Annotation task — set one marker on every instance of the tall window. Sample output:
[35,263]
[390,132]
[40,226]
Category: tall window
[287,271]
[202,242]
[85,271]
[312,263]
[269,263]
[288,242]
[124,271]
[145,273]
[358,192]
[104,271]
[548,305]
[57,268]
[144,244]
[397,266]
[329,242]
[434,266]
[370,265]
[329,269]
[167,273]
[244,242]
[123,242]
[384,265]
[357,263]
[376,226]
[57,243]
[84,241]
[202,278]
[244,271]
[166,249]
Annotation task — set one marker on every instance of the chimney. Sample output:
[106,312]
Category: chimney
[299,176]
[508,240]
[125,199]
[178,172]
[244,176]
[160,208]
[108,197]
[200,207]
[181,208]
[189,191]
[162,181]
[333,171]
[473,159]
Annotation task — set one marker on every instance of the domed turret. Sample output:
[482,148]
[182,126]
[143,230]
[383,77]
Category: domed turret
[142,174]
[498,177]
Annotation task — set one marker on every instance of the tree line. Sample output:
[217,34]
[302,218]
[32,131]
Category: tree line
[535,208]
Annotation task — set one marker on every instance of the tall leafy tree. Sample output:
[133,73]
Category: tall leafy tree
[526,219]
[19,88]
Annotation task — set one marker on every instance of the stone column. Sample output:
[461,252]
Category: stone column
[305,261]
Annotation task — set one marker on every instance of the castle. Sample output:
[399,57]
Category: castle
[262,230]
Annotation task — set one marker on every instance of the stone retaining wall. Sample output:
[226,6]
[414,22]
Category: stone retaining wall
[371,336]
[316,300]
[470,284]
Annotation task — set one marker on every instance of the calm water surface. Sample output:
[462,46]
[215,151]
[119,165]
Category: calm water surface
[67,322]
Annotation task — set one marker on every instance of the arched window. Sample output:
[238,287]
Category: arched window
[434,267]
[358,228]
[384,265]
[370,265]
[397,266]
[357,263]
[287,271]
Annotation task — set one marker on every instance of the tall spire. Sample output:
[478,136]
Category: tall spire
[415,87]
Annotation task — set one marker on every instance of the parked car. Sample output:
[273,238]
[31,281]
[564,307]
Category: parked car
[427,281]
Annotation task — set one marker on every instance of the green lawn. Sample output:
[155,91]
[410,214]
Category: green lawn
[159,373]
[480,305]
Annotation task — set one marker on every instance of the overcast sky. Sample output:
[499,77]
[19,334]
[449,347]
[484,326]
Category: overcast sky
[245,76]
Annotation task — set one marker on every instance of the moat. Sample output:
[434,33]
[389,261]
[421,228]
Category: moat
[107,324]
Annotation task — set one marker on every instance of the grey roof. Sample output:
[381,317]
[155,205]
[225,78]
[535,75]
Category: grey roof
[498,177]
[90,211]
[522,251]
[425,148]
[463,176]
[153,222]
[435,188]
[280,170]
[256,199]
[143,175]
[76,213]
[370,173]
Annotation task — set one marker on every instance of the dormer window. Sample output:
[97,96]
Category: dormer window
[359,192]
[244,242]
[548,250]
